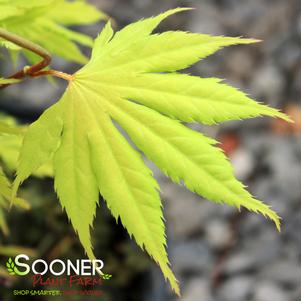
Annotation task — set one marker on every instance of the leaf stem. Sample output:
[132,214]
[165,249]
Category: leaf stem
[36,69]
[63,75]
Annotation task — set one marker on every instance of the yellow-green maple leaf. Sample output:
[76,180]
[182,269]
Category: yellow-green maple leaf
[43,21]
[9,131]
[5,195]
[11,137]
[131,80]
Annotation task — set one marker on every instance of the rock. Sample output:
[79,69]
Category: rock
[237,289]
[244,14]
[297,79]
[243,67]
[206,19]
[186,212]
[266,188]
[159,289]
[256,142]
[268,291]
[285,166]
[286,272]
[198,289]
[268,82]
[299,25]
[191,257]
[264,247]
[274,21]
[291,230]
[243,163]
[290,54]
[218,233]
[296,294]
[239,263]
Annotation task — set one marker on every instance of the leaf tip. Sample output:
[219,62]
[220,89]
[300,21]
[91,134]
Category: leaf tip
[255,40]
[177,10]
[178,291]
[112,22]
[277,222]
[249,40]
[184,8]
[284,116]
[274,217]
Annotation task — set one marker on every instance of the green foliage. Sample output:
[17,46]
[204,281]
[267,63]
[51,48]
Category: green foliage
[5,196]
[11,136]
[42,21]
[10,146]
[131,79]
[13,250]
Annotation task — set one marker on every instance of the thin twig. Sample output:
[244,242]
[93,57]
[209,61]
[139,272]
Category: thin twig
[36,69]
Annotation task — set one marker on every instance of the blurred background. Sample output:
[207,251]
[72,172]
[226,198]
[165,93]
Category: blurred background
[217,253]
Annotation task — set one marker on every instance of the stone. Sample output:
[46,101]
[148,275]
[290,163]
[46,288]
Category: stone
[291,230]
[269,291]
[186,212]
[239,263]
[243,163]
[286,271]
[268,82]
[191,257]
[236,289]
[198,289]
[264,247]
[285,165]
[206,19]
[296,294]
[218,233]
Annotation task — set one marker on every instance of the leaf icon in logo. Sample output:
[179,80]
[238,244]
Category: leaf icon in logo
[10,265]
[106,276]
[12,269]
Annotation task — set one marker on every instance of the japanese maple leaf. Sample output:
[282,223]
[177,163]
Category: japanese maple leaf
[131,81]
[43,21]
